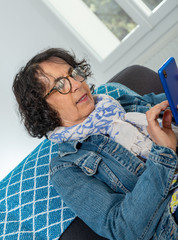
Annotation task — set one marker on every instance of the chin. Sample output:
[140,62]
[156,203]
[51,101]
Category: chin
[90,109]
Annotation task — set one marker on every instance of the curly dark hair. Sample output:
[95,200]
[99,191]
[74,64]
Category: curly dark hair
[39,118]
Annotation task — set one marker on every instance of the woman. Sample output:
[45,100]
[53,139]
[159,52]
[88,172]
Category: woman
[120,192]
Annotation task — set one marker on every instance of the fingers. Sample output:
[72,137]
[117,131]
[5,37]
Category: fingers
[163,136]
[154,112]
[167,119]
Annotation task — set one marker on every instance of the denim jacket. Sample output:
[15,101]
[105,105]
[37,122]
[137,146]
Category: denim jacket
[114,192]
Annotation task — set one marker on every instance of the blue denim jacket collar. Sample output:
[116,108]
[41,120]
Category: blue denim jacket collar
[67,148]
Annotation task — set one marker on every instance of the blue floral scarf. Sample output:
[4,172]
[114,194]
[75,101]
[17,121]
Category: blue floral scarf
[109,118]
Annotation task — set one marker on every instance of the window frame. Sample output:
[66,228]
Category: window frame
[136,9]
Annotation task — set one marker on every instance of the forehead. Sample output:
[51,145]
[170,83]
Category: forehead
[54,67]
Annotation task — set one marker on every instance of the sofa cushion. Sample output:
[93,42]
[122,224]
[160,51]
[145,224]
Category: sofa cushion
[30,208]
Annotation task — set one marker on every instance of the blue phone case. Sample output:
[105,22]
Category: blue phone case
[168,75]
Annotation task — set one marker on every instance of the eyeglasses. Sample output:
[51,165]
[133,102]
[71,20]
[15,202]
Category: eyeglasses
[63,84]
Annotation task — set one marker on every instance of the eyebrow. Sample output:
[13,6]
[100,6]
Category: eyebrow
[68,74]
[70,70]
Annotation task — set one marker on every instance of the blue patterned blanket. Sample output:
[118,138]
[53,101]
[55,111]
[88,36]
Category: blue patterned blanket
[30,208]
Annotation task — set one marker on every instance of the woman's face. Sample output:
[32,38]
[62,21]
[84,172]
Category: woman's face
[74,107]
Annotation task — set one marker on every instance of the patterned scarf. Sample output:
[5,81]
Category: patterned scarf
[109,118]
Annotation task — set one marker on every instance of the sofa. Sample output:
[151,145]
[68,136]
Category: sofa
[30,208]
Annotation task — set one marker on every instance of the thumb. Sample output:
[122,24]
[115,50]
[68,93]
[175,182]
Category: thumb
[167,119]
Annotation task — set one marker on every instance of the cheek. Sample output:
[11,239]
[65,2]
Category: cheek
[85,86]
[66,108]
[55,103]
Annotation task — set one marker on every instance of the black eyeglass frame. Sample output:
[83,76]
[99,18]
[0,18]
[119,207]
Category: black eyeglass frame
[67,78]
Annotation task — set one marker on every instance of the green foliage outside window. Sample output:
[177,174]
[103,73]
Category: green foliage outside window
[114,17]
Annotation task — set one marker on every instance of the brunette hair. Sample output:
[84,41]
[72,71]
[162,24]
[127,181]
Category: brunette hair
[37,115]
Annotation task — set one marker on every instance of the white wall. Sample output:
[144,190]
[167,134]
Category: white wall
[161,50]
[27,27]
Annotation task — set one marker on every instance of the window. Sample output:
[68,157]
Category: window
[113,16]
[111,28]
[152,4]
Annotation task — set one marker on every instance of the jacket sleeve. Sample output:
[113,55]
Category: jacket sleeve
[140,103]
[132,216]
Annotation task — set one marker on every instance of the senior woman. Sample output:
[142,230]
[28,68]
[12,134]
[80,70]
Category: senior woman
[109,171]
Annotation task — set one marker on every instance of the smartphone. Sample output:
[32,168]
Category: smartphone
[168,74]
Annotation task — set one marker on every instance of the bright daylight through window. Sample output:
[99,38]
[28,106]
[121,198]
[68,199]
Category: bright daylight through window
[109,28]
[113,16]
[152,3]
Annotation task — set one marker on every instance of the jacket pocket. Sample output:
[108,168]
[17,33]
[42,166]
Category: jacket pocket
[89,163]
[93,165]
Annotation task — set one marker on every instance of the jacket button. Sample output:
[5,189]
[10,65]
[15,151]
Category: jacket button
[89,170]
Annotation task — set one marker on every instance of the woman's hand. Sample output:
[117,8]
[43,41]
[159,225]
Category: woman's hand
[161,136]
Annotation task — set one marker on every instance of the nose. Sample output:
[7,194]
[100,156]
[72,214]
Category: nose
[75,84]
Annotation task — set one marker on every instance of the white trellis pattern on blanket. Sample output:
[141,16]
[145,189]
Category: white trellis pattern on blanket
[30,208]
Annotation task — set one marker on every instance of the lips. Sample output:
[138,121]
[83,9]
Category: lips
[82,98]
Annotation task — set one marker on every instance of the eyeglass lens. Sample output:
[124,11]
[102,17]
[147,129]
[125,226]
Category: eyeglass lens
[63,85]
[78,74]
